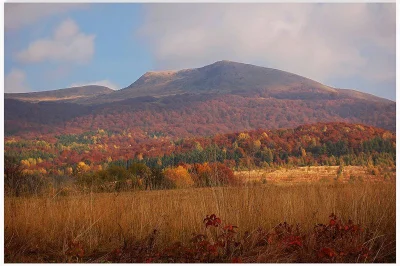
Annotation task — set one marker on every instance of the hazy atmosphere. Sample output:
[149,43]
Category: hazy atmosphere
[52,46]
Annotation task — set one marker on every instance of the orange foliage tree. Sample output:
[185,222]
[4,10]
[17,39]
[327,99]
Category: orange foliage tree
[213,174]
[179,176]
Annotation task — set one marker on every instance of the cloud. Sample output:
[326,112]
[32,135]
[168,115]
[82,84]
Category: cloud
[105,83]
[58,72]
[15,81]
[319,41]
[67,44]
[18,15]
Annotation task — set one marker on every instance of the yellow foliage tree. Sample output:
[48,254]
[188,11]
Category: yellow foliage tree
[32,161]
[68,171]
[264,135]
[198,146]
[82,167]
[25,163]
[41,171]
[179,176]
[243,136]
[27,172]
[303,152]
[256,145]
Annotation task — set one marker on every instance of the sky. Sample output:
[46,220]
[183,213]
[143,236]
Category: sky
[52,46]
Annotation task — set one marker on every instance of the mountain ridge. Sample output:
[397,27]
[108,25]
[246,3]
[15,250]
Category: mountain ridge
[219,77]
[224,77]
[218,98]
[65,94]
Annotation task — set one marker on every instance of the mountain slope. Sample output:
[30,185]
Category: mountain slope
[226,77]
[219,98]
[67,94]
[192,114]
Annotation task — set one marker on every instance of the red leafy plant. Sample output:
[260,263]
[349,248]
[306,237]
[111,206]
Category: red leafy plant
[74,250]
[335,241]
[342,242]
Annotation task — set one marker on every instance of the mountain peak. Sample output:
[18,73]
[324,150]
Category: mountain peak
[159,73]
[224,63]
[227,77]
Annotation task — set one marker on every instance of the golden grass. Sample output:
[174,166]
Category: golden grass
[316,173]
[37,228]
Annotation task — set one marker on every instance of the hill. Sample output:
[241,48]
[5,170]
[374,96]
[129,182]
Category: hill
[314,144]
[67,94]
[219,98]
[226,77]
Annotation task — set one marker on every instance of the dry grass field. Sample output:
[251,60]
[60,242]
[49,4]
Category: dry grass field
[38,229]
[318,173]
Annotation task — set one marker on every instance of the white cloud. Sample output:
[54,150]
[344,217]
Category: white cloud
[319,41]
[67,44]
[18,15]
[15,81]
[105,83]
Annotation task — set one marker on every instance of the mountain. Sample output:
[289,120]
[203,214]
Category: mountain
[226,77]
[223,77]
[69,94]
[219,98]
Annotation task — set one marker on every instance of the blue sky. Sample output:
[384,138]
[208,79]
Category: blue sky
[52,46]
[118,57]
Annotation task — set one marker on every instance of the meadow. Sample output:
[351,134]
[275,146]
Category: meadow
[163,225]
[345,174]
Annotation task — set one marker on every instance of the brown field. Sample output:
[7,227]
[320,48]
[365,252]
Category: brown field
[326,174]
[37,229]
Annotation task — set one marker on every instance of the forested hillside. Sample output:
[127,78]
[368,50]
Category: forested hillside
[307,145]
[220,98]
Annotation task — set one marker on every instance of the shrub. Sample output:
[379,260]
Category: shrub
[374,171]
[117,173]
[221,174]
[334,241]
[202,174]
[17,183]
[141,172]
[352,178]
[340,171]
[213,174]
